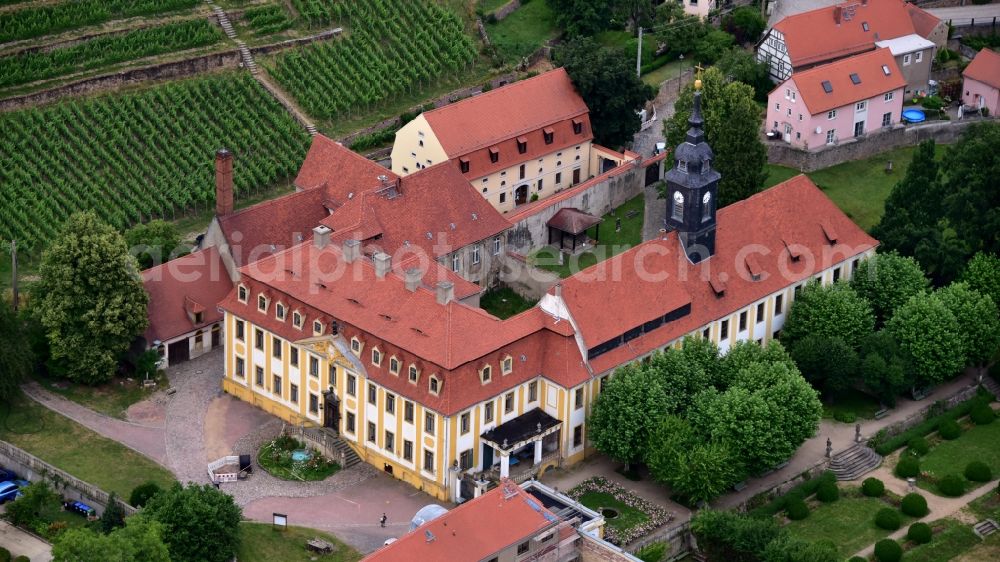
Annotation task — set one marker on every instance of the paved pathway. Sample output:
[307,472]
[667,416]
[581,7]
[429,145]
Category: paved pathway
[21,543]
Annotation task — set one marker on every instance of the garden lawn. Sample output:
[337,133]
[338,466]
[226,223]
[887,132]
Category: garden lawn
[953,540]
[609,242]
[260,542]
[666,72]
[490,6]
[978,443]
[849,522]
[859,188]
[79,451]
[112,398]
[852,402]
[503,302]
[628,516]
[989,549]
[524,31]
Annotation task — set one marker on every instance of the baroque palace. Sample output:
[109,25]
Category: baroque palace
[339,324]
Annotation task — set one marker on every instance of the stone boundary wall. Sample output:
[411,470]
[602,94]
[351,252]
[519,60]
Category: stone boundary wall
[33,468]
[507,9]
[677,537]
[943,132]
[525,280]
[162,71]
[782,488]
[921,415]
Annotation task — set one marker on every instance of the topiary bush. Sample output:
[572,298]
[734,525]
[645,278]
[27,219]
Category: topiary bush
[142,493]
[845,417]
[857,559]
[22,558]
[919,533]
[978,471]
[4,555]
[888,519]
[888,550]
[828,492]
[952,485]
[908,467]
[796,509]
[949,429]
[982,414]
[918,446]
[872,487]
[914,505]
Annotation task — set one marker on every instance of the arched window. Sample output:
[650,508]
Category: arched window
[677,212]
[706,207]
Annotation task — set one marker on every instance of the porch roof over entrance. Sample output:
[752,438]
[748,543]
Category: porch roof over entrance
[572,221]
[530,425]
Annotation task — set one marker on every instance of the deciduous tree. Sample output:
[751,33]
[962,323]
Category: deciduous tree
[92,303]
[713,46]
[626,413]
[694,469]
[741,66]
[677,30]
[153,243]
[914,205]
[583,18]
[140,540]
[746,23]
[929,338]
[813,355]
[978,324]
[886,281]
[983,275]
[200,523]
[831,311]
[883,367]
[16,358]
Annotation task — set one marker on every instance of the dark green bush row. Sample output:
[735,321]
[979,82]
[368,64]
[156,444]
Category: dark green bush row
[802,491]
[828,492]
[364,142]
[885,445]
[982,414]
[919,533]
[914,505]
[978,471]
[888,550]
[908,467]
[950,430]
[952,485]
[887,518]
[796,509]
[873,487]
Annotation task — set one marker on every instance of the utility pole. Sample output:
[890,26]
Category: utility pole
[638,56]
[13,271]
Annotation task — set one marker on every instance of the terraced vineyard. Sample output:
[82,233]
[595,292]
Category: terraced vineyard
[29,66]
[140,155]
[35,21]
[392,46]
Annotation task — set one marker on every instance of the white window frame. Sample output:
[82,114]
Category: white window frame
[497,245]
[861,106]
[906,59]
[888,96]
[475,254]
[831,115]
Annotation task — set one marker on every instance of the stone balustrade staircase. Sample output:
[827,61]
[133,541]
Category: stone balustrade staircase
[335,447]
[992,386]
[854,462]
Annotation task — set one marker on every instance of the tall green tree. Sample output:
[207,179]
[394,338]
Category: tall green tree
[684,372]
[978,324]
[834,310]
[929,338]
[113,516]
[983,275]
[913,207]
[626,413]
[605,78]
[200,523]
[883,367]
[16,358]
[636,13]
[886,281]
[677,30]
[153,243]
[583,18]
[713,46]
[92,303]
[812,355]
[969,173]
[139,541]
[742,66]
[732,120]
[746,23]
[695,470]
[727,535]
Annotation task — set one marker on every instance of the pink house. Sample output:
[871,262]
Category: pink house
[981,84]
[837,101]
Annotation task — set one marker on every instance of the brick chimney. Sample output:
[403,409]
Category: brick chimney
[351,250]
[445,292]
[413,277]
[383,263]
[223,182]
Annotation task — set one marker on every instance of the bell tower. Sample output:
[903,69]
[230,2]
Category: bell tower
[692,186]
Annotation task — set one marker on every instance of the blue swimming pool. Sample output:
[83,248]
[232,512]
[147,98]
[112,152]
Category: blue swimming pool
[914,115]
[300,455]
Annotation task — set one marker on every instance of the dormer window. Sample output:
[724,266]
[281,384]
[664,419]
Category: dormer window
[262,303]
[434,385]
[682,166]
[507,365]
[199,317]
[522,145]
[317,328]
[463,163]
[494,155]
[577,127]
[297,320]
[486,374]
[356,345]
[677,210]
[549,134]
[279,312]
[376,357]
[242,293]
[393,365]
[413,374]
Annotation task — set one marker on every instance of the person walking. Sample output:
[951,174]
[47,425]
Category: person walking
[383,520]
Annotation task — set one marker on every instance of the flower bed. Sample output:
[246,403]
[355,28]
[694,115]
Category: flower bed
[639,516]
[276,457]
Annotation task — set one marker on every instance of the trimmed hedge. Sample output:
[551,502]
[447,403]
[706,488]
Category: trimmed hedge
[858,559]
[796,509]
[950,430]
[888,519]
[914,505]
[952,485]
[827,492]
[919,446]
[978,471]
[908,467]
[920,533]
[982,414]
[888,550]
[884,445]
[873,487]
[802,491]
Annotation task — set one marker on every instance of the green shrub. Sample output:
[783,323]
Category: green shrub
[888,519]
[950,430]
[22,558]
[914,505]
[982,414]
[796,509]
[653,552]
[952,485]
[888,550]
[978,471]
[845,417]
[908,467]
[4,555]
[919,533]
[858,559]
[919,446]
[932,102]
[827,492]
[885,445]
[142,493]
[801,491]
[872,487]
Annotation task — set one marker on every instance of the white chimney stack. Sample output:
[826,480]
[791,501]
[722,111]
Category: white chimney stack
[445,292]
[351,250]
[321,236]
[413,277]
[383,263]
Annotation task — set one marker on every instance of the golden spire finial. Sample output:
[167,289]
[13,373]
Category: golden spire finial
[697,84]
[699,69]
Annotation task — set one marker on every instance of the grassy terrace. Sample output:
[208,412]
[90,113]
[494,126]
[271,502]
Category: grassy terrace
[849,522]
[951,538]
[260,542]
[609,242]
[79,451]
[111,399]
[627,517]
[504,302]
[524,31]
[977,443]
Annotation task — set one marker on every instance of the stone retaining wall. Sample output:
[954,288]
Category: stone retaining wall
[507,9]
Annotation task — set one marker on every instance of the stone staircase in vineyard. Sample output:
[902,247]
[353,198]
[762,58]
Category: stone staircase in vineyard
[227,26]
[854,462]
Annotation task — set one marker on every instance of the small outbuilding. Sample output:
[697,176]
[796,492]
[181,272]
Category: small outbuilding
[569,227]
[981,82]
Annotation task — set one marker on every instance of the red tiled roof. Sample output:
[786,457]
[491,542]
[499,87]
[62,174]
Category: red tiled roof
[867,66]
[506,113]
[436,201]
[339,170]
[792,212]
[572,220]
[473,531]
[923,21]
[815,36]
[194,283]
[280,222]
[985,68]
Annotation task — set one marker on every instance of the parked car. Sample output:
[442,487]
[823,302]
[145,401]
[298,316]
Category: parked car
[11,490]
[7,475]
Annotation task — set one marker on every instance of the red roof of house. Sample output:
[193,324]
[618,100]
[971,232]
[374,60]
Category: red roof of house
[192,283]
[507,112]
[816,36]
[339,170]
[792,213]
[572,220]
[985,68]
[924,22]
[436,201]
[869,69]
[262,229]
[499,519]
